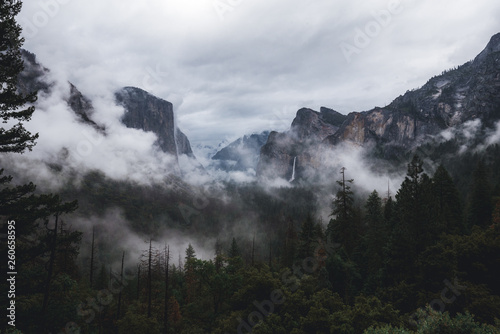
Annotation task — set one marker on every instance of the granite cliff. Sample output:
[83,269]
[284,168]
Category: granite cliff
[142,110]
[447,101]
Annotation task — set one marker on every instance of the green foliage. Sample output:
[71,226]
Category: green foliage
[429,321]
[307,238]
[448,209]
[234,250]
[16,139]
[135,323]
[344,227]
[480,203]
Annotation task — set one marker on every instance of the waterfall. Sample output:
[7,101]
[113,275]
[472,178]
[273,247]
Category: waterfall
[293,170]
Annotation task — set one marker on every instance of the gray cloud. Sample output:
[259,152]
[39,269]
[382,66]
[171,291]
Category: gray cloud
[227,76]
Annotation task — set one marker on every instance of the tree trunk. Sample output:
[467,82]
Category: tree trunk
[49,274]
[149,280]
[167,256]
[92,257]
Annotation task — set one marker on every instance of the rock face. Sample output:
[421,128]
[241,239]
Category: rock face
[82,107]
[446,101]
[311,125]
[143,110]
[34,77]
[243,153]
[149,113]
[309,129]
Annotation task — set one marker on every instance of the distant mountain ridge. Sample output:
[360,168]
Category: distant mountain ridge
[243,153]
[450,101]
[469,92]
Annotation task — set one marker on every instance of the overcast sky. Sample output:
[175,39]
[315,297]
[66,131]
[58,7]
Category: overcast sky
[232,67]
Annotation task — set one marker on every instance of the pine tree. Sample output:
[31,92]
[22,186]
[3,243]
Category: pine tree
[150,282]
[58,208]
[190,253]
[389,214]
[344,228]
[12,104]
[480,203]
[92,252]
[235,262]
[415,205]
[234,250]
[290,251]
[15,202]
[448,207]
[307,238]
[121,285]
[167,287]
[219,259]
[376,233]
[414,229]
[496,215]
[174,311]
[189,269]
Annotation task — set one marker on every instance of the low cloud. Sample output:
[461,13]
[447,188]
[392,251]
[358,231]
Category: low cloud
[225,77]
[68,147]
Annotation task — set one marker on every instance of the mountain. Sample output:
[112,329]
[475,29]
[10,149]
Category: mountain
[150,113]
[295,147]
[142,110]
[243,153]
[448,102]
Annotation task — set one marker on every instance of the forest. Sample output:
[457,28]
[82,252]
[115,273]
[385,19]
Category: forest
[422,260]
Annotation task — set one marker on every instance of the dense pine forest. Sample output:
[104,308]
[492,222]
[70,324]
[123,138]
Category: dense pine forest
[425,259]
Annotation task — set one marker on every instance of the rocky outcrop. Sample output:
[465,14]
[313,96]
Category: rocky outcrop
[83,108]
[35,78]
[309,129]
[150,113]
[183,144]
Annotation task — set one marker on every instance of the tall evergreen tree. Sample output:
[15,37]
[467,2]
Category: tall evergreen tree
[234,250]
[234,261]
[12,104]
[480,205]
[414,228]
[15,202]
[376,233]
[189,269]
[448,207]
[343,228]
[20,203]
[190,253]
[496,215]
[307,238]
[290,251]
